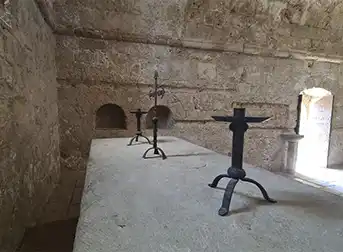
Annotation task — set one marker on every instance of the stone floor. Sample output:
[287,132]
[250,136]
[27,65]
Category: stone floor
[132,204]
[53,237]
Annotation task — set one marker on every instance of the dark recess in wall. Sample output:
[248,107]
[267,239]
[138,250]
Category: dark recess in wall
[110,116]
[164,116]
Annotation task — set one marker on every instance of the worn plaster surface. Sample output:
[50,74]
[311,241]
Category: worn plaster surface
[132,204]
[29,135]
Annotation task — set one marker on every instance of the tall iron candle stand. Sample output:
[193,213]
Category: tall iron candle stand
[158,91]
[139,133]
[236,172]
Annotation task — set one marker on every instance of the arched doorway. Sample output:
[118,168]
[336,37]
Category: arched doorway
[110,116]
[164,116]
[315,125]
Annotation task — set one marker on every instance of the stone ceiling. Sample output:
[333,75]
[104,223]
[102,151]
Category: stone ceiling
[300,25]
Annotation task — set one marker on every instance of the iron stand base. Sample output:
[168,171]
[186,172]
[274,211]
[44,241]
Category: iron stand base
[157,151]
[235,174]
[138,134]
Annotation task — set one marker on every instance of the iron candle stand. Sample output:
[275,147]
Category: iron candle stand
[139,133]
[236,172]
[158,91]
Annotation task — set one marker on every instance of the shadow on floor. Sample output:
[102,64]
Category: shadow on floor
[192,154]
[178,155]
[139,143]
[56,236]
[142,141]
[164,140]
[309,202]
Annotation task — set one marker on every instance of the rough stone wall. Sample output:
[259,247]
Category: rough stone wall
[211,55]
[199,84]
[281,28]
[29,135]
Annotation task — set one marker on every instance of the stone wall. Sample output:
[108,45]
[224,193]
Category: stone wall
[199,84]
[29,134]
[280,28]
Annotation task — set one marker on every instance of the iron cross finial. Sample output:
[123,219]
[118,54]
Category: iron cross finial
[158,91]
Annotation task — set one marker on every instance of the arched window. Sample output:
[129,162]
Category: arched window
[110,116]
[164,116]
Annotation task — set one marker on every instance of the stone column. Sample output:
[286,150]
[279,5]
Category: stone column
[290,159]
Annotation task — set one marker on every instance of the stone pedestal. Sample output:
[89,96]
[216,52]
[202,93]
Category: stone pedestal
[291,144]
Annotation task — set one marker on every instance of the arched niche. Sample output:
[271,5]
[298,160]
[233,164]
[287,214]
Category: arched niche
[110,116]
[164,116]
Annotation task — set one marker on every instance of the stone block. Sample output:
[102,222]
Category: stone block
[305,32]
[92,44]
[249,7]
[233,46]
[207,71]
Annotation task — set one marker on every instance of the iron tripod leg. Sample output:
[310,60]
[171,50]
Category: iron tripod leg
[136,138]
[224,209]
[157,151]
[263,191]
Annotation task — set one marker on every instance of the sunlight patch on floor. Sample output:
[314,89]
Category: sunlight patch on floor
[326,178]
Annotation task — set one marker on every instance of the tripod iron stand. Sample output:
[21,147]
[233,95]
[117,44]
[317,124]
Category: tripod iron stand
[157,92]
[236,172]
[139,133]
